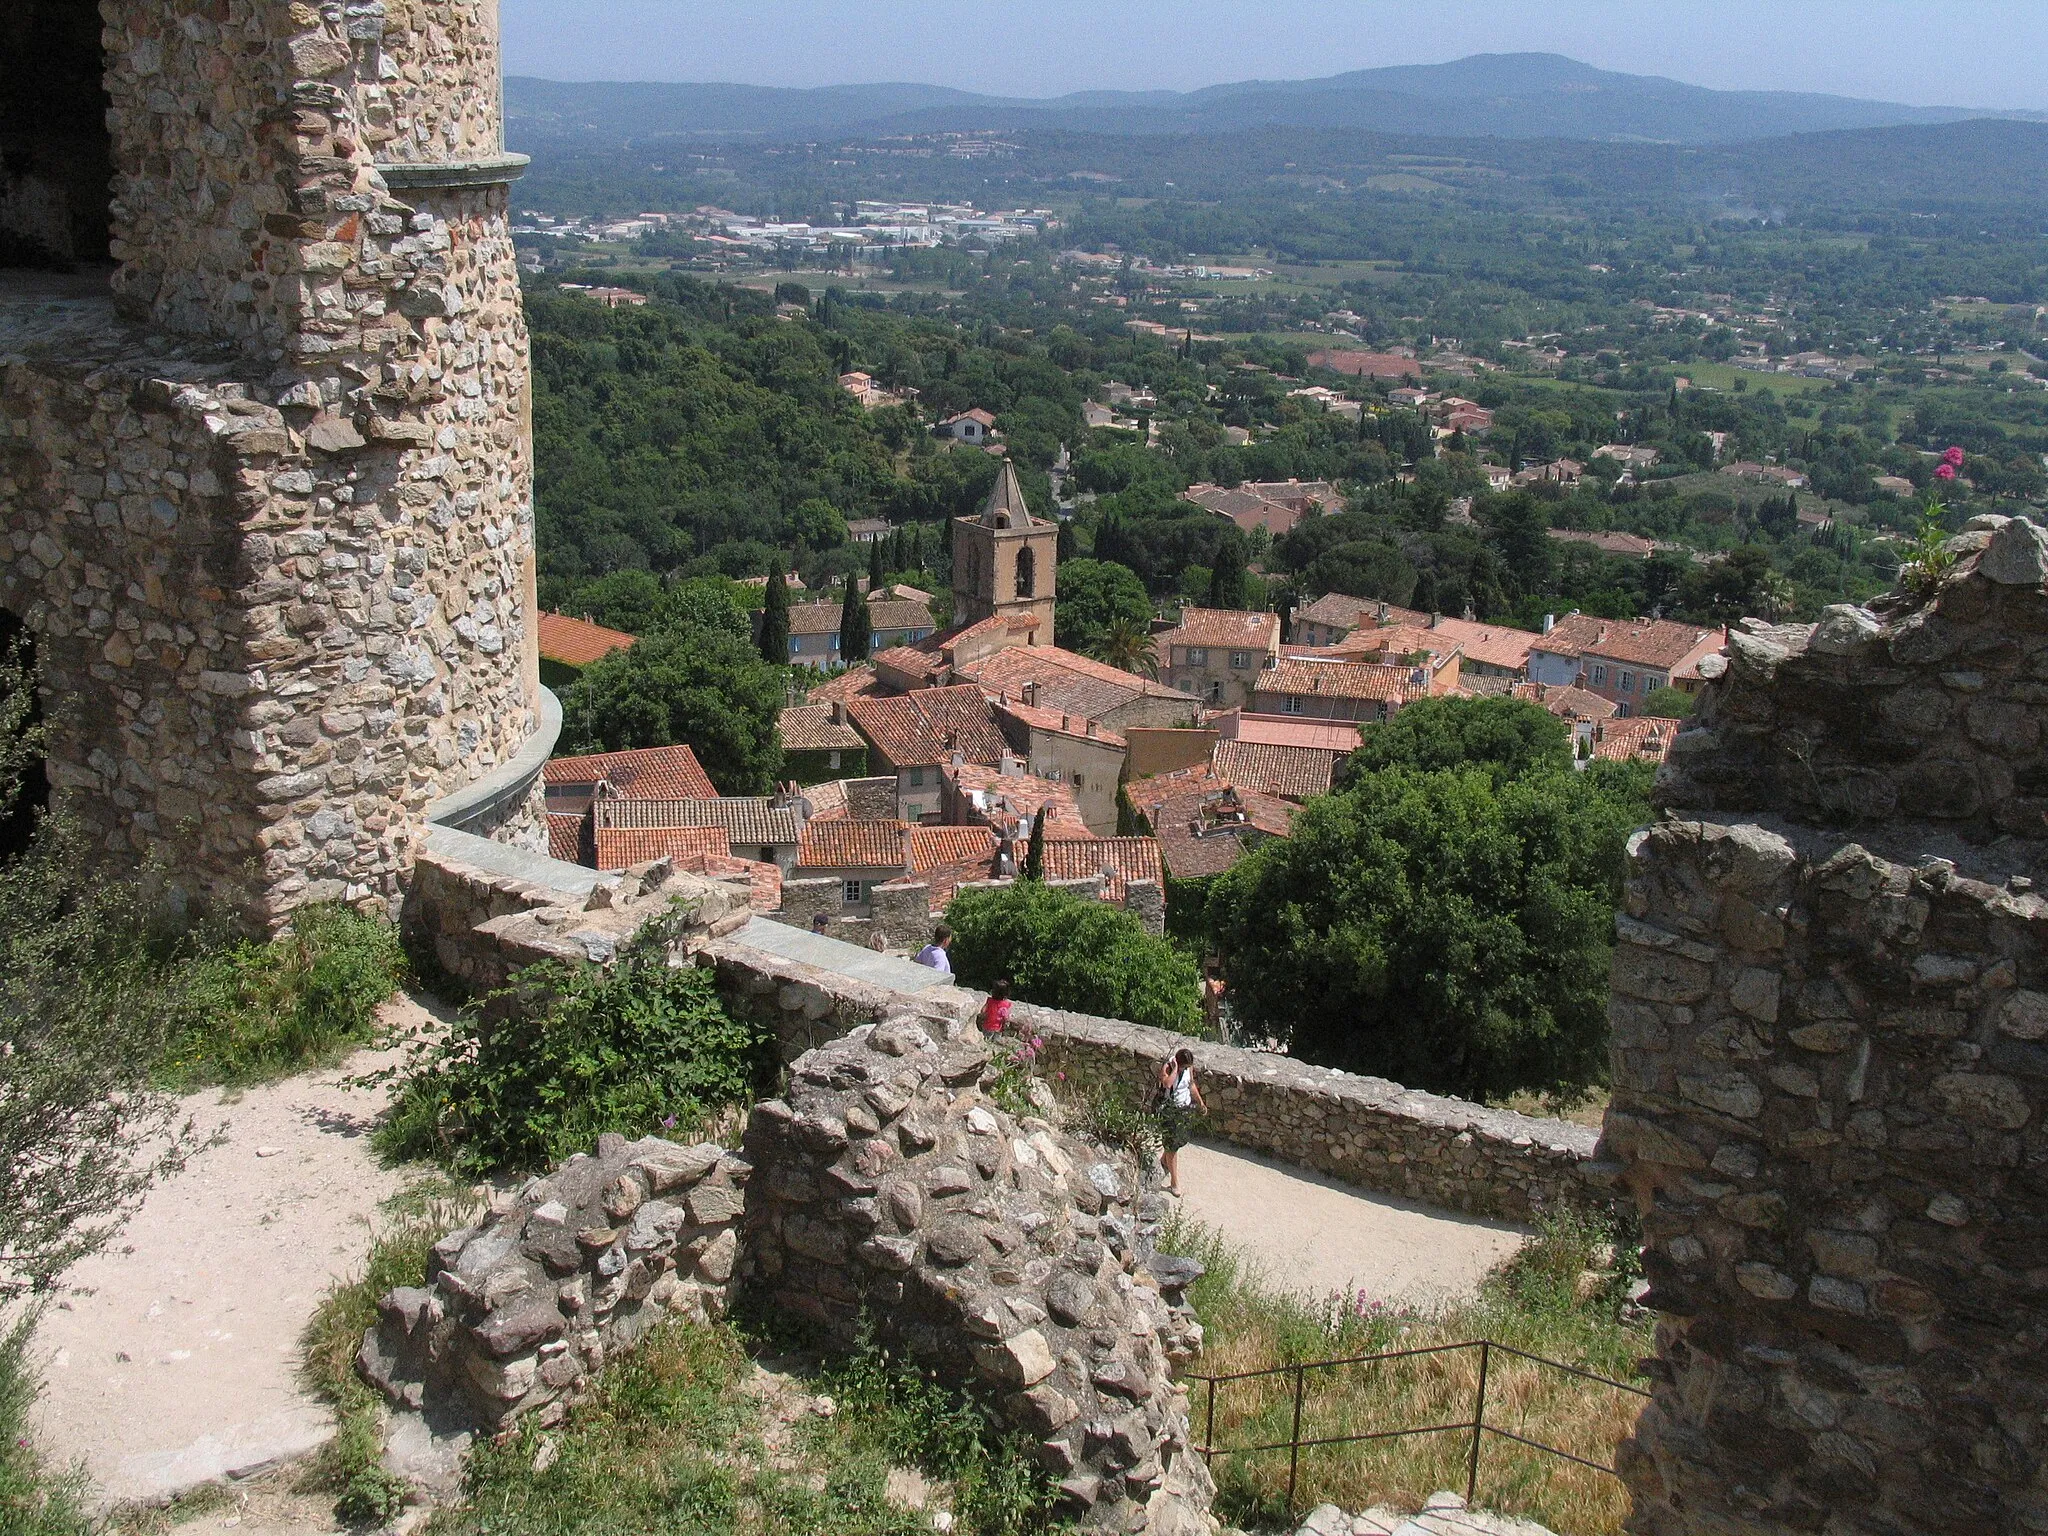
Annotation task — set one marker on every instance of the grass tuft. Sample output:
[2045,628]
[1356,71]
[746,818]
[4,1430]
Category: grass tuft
[35,1498]
[1559,1298]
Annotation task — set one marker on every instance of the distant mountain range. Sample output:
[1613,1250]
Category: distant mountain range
[1501,95]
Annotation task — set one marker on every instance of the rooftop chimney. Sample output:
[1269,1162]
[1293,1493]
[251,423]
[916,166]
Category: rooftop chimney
[1030,694]
[839,712]
[1549,622]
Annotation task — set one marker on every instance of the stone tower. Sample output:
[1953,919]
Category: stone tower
[1830,1029]
[265,454]
[1004,560]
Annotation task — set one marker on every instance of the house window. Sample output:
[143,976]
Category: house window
[833,761]
[1077,781]
[1599,677]
[1198,656]
[1215,691]
[917,778]
[1291,704]
[1240,660]
[835,643]
[1628,682]
[795,645]
[853,893]
[1652,684]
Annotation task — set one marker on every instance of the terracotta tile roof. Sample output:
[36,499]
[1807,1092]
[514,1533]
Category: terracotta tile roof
[1292,773]
[1339,680]
[1011,800]
[827,800]
[811,728]
[578,642]
[933,846]
[1656,643]
[619,847]
[1345,611]
[1123,859]
[1052,720]
[913,661]
[927,726]
[1147,795]
[1569,703]
[1246,508]
[856,682]
[1491,645]
[852,845]
[643,773]
[1392,640]
[1066,682]
[814,618]
[751,821]
[1205,834]
[1223,628]
[1289,731]
[764,881]
[1570,635]
[1644,738]
[565,836]
[887,614]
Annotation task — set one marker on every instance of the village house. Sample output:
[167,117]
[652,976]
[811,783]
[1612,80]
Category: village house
[616,298]
[1767,474]
[643,773]
[814,629]
[976,427]
[1485,650]
[1203,823]
[860,855]
[914,734]
[1067,749]
[1623,660]
[1078,685]
[1331,618]
[1564,472]
[1627,456]
[868,530]
[1284,772]
[1350,690]
[819,743]
[1216,655]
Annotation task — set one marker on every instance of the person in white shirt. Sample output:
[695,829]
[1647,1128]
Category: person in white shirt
[1180,1096]
[934,953]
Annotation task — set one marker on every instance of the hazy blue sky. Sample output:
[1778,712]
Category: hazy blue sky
[1976,53]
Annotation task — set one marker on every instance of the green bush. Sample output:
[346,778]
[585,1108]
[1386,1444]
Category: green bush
[252,1012]
[564,1053]
[1066,951]
[1669,704]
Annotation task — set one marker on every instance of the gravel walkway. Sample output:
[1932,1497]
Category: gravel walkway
[179,1364]
[1312,1235]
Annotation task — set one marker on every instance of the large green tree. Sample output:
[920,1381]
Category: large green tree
[1509,738]
[1448,927]
[856,626]
[1066,951]
[1229,586]
[775,618]
[705,688]
[1094,594]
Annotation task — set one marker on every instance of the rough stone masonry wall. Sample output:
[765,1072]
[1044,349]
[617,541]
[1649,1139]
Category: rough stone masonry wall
[1364,1130]
[518,1312]
[285,566]
[1830,1027]
[890,1192]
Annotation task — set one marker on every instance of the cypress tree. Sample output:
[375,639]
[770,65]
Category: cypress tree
[1227,576]
[875,572]
[856,633]
[775,618]
[1066,548]
[1034,856]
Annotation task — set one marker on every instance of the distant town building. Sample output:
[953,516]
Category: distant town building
[975,427]
[568,645]
[1216,655]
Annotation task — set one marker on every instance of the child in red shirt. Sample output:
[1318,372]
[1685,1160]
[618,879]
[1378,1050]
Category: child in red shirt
[995,1013]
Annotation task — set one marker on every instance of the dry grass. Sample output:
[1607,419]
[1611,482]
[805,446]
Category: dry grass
[1533,1304]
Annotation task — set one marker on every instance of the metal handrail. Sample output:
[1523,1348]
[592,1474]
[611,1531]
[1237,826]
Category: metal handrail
[1476,1426]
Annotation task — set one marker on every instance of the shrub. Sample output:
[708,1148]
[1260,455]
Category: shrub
[258,1011]
[1669,704]
[34,1501]
[1066,951]
[564,1053]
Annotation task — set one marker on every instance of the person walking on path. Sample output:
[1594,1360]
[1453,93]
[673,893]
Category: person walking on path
[1179,1097]
[934,953]
[995,1013]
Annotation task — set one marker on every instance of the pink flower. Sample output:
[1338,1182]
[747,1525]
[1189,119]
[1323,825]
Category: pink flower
[1060,1077]
[1953,456]
[1944,471]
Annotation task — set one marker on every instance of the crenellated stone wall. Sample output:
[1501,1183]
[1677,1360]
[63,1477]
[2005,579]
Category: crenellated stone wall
[271,523]
[1830,1024]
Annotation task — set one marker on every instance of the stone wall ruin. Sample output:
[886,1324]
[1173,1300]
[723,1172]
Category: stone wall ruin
[1829,1014]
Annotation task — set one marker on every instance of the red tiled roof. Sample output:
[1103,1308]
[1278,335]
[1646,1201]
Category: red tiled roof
[1067,682]
[1292,773]
[811,728]
[1659,643]
[1016,797]
[814,618]
[1123,859]
[1642,738]
[619,847]
[856,682]
[897,614]
[578,642]
[1245,508]
[1223,628]
[764,881]
[933,846]
[1147,795]
[1569,703]
[852,845]
[1196,839]
[1078,726]
[1339,680]
[643,773]
[1341,610]
[927,726]
[828,800]
[565,836]
[752,821]
[1289,731]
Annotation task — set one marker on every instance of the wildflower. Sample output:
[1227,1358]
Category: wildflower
[1953,456]
[668,1123]
[1060,1077]
[1944,471]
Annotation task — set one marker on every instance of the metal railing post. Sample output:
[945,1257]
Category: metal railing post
[1209,1428]
[1294,1449]
[1478,1425]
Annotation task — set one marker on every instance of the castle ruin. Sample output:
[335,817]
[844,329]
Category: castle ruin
[265,437]
[1829,1015]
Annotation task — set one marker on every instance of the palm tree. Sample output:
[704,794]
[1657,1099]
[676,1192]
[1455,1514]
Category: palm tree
[1128,645]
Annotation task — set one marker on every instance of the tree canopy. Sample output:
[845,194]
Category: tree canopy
[1509,738]
[1094,594]
[1066,951]
[706,688]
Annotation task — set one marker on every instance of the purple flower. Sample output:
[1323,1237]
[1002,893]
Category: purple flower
[669,1123]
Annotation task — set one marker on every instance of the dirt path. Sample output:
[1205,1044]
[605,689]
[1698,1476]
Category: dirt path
[180,1363]
[1311,1235]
